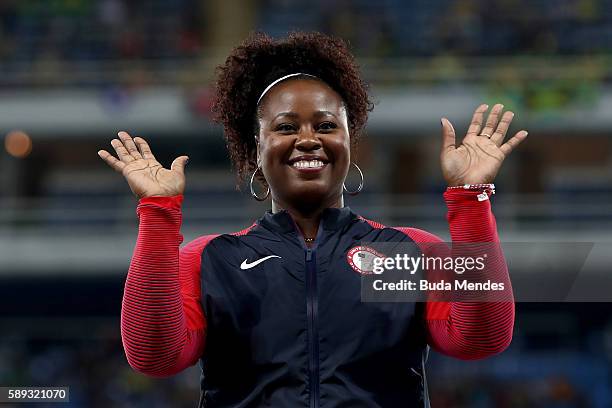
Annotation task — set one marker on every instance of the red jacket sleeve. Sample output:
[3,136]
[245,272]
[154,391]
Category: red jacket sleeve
[468,330]
[162,323]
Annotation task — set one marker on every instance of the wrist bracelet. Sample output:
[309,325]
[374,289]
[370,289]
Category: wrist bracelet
[487,189]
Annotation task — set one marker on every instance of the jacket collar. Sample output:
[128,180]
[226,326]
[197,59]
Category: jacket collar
[331,219]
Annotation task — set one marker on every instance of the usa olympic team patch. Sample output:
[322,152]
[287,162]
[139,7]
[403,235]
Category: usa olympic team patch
[361,259]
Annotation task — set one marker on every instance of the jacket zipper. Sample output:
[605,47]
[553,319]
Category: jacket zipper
[312,308]
[313,328]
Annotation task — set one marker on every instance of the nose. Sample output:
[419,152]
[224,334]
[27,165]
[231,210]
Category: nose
[307,141]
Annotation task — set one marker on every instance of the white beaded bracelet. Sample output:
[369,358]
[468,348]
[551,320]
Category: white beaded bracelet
[486,189]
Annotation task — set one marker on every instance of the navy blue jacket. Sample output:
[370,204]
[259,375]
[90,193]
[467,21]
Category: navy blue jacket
[291,330]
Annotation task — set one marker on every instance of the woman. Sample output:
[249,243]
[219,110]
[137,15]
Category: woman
[273,312]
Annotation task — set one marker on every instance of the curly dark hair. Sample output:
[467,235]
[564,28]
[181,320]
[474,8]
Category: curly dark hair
[260,60]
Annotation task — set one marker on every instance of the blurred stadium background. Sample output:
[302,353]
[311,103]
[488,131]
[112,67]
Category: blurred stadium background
[74,72]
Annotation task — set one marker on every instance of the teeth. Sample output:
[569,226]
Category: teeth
[308,164]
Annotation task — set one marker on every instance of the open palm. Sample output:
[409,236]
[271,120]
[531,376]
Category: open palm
[479,156]
[144,174]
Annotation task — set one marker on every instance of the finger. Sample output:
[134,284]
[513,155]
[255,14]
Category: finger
[448,135]
[144,148]
[179,164]
[129,145]
[117,165]
[514,141]
[492,120]
[477,119]
[121,151]
[502,128]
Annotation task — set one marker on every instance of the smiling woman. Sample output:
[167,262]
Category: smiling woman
[274,312]
[252,70]
[303,146]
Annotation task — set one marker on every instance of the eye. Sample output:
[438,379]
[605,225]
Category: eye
[285,128]
[327,126]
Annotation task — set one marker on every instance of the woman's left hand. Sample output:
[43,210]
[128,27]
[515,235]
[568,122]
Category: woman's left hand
[480,155]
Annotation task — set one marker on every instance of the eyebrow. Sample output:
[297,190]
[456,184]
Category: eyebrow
[289,114]
[295,115]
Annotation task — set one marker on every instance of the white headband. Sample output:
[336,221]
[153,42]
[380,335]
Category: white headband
[265,91]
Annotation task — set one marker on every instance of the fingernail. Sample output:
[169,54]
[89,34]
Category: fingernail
[442,122]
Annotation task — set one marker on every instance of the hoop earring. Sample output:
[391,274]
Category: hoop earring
[258,198]
[360,187]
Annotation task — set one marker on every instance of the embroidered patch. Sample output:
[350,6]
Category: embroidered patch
[361,259]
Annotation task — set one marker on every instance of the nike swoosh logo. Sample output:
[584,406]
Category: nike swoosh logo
[246,265]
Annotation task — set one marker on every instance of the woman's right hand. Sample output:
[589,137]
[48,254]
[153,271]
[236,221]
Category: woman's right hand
[145,176]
